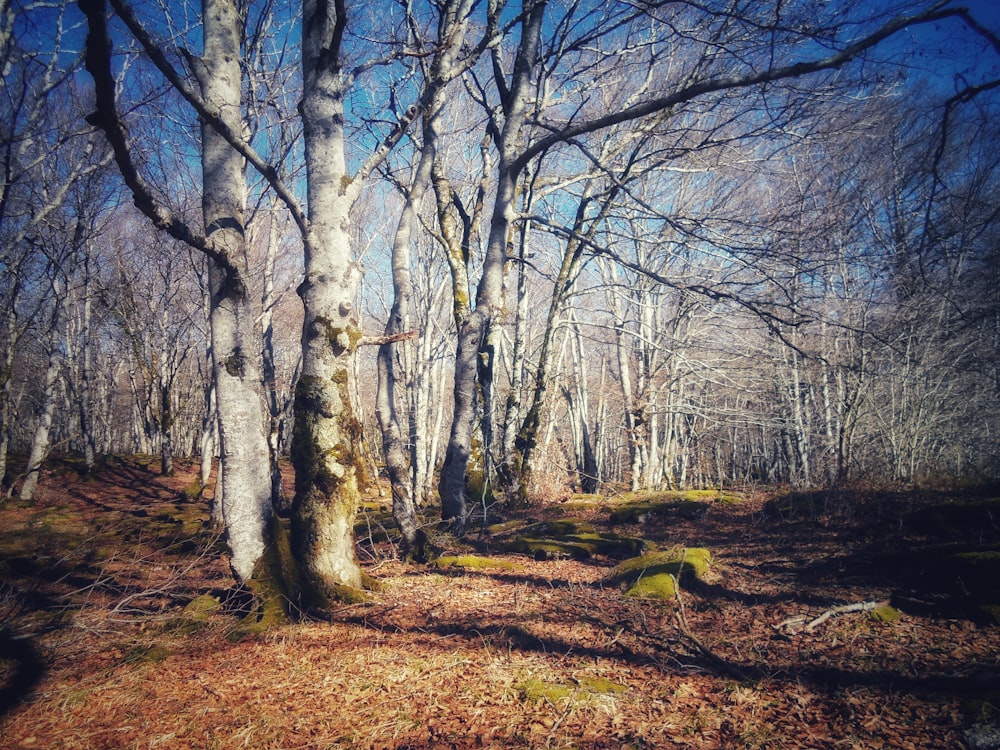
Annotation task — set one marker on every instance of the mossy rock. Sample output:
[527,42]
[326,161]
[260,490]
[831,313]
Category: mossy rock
[885,614]
[610,545]
[550,549]
[557,528]
[474,562]
[505,528]
[957,580]
[534,691]
[579,546]
[661,586]
[653,576]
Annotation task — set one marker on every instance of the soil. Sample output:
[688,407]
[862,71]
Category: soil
[107,639]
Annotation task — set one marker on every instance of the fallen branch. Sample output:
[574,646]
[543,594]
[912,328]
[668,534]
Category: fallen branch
[811,625]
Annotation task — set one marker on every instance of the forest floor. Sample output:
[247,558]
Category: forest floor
[108,639]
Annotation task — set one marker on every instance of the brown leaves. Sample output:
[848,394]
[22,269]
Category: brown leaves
[537,654]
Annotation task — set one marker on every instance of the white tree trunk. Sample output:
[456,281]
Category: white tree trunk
[245,473]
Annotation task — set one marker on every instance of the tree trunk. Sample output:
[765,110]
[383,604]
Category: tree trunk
[473,334]
[246,504]
[43,427]
[275,407]
[325,441]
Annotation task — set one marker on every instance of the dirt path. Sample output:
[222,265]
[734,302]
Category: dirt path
[522,652]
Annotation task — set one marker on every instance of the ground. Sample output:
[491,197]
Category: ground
[108,639]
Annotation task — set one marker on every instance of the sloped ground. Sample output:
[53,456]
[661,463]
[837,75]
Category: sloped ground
[520,650]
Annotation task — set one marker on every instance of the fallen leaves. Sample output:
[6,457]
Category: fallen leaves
[514,653]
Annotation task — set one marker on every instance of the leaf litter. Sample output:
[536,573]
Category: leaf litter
[529,653]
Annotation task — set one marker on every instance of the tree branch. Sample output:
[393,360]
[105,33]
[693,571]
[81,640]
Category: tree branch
[725,83]
[97,59]
[267,171]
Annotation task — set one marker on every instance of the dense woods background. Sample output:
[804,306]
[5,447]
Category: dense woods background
[693,263]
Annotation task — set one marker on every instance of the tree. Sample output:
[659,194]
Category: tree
[247,497]
[732,64]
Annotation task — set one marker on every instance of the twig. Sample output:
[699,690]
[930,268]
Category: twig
[811,625]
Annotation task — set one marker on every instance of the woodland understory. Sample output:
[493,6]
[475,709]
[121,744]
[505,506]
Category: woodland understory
[121,627]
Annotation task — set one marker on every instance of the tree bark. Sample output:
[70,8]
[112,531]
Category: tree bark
[246,504]
[325,441]
[43,427]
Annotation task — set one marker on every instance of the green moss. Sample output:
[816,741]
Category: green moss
[581,691]
[193,490]
[349,595]
[195,615]
[653,575]
[885,614]
[147,654]
[661,586]
[558,528]
[602,685]
[641,511]
[533,690]
[474,562]
[610,545]
[549,549]
[506,527]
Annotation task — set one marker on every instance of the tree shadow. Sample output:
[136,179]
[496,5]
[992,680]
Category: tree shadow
[26,670]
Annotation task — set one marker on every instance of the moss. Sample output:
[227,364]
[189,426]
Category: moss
[235,364]
[581,691]
[610,545]
[549,549]
[559,527]
[147,654]
[602,685]
[655,586]
[348,594]
[193,490]
[885,614]
[536,690]
[640,512]
[652,576]
[984,707]
[474,562]
[274,586]
[506,527]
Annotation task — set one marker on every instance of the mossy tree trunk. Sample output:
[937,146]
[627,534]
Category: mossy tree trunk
[473,332]
[326,434]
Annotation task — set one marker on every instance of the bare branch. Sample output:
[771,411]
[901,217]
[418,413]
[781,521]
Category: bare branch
[267,171]
[725,83]
[98,63]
